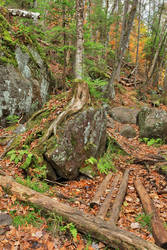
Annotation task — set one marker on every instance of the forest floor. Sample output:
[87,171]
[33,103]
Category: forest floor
[79,193]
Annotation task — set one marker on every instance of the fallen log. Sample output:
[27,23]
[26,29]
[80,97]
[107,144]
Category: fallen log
[99,229]
[158,230]
[106,204]
[149,159]
[24,13]
[114,215]
[100,191]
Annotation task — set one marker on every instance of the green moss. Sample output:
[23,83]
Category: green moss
[37,120]
[16,142]
[4,141]
[51,144]
[7,60]
[163,170]
[88,171]
[12,127]
[4,24]
[73,141]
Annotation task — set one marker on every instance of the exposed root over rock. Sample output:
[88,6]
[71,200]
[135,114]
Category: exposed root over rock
[79,99]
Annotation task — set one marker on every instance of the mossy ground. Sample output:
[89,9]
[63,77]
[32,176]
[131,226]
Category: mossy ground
[13,36]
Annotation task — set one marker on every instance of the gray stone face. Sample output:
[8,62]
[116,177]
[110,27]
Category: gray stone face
[80,138]
[20,91]
[128,131]
[124,115]
[153,123]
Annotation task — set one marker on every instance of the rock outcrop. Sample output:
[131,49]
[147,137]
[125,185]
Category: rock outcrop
[20,91]
[24,78]
[124,115]
[80,138]
[153,123]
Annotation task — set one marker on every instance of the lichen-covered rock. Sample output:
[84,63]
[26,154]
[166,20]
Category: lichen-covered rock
[20,91]
[80,138]
[128,131]
[124,115]
[153,123]
[24,75]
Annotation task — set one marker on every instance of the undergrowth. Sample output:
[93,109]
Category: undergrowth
[28,159]
[152,141]
[37,185]
[145,221]
[56,225]
[96,88]
[106,163]
[31,217]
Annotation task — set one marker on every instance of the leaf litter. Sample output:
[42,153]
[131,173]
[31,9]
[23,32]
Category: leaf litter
[80,193]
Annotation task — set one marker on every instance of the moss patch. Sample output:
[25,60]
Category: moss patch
[163,170]
[8,44]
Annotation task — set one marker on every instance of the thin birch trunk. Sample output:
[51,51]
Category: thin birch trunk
[138,40]
[64,42]
[35,4]
[126,29]
[79,45]
[114,6]
[163,35]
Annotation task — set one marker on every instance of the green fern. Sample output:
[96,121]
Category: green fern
[71,227]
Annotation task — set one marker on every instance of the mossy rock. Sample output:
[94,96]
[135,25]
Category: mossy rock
[88,171]
[78,139]
[152,123]
[163,170]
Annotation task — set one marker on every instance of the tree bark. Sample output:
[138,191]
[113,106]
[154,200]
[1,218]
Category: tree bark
[125,33]
[138,40]
[80,88]
[24,13]
[35,4]
[100,191]
[114,215]
[158,230]
[79,99]
[106,204]
[163,36]
[79,45]
[99,229]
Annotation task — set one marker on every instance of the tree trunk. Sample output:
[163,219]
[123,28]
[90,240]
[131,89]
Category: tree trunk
[35,4]
[79,45]
[126,29]
[99,229]
[80,88]
[138,40]
[64,42]
[114,6]
[163,36]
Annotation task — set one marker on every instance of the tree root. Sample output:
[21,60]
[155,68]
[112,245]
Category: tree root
[79,99]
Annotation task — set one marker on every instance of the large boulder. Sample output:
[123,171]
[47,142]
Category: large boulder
[22,88]
[128,131]
[80,138]
[24,74]
[124,115]
[153,123]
